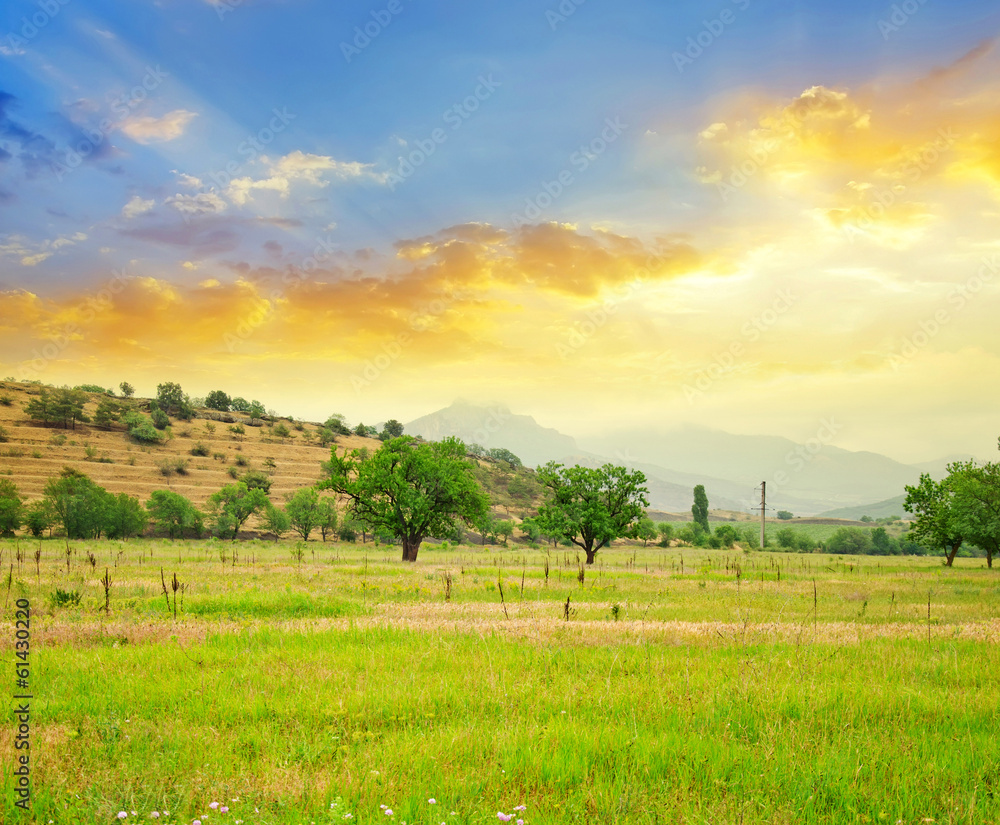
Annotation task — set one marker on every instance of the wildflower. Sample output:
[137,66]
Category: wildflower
[213,805]
[122,814]
[520,822]
[504,817]
[432,801]
[224,809]
[521,808]
[196,822]
[388,811]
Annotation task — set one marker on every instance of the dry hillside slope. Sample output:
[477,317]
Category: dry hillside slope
[33,453]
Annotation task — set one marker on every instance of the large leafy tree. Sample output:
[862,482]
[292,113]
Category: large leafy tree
[174,513]
[975,504]
[11,507]
[79,503]
[304,511]
[935,525]
[218,400]
[234,504]
[591,507]
[124,517]
[408,489]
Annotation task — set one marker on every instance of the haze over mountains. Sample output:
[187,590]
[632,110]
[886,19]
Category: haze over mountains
[807,479]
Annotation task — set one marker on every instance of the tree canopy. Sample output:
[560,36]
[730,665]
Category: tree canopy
[699,510]
[591,507]
[411,490]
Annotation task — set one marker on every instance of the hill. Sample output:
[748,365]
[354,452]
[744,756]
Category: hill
[32,453]
[880,509]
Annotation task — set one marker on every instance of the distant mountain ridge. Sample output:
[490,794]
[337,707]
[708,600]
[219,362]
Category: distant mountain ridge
[805,479]
[495,426]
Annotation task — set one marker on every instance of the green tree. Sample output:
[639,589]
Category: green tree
[257,480]
[337,425]
[276,521]
[159,418]
[503,529]
[61,407]
[786,538]
[174,513]
[239,404]
[976,504]
[411,490]
[935,524]
[303,508]
[591,507]
[218,400]
[38,517]
[391,429]
[127,389]
[79,503]
[140,428]
[256,412]
[504,455]
[124,517]
[108,413]
[170,397]
[853,541]
[784,515]
[645,530]
[11,508]
[726,535]
[327,517]
[666,532]
[234,504]
[700,507]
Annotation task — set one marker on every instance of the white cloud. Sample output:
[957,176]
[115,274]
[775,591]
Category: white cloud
[137,206]
[158,129]
[301,167]
[204,203]
[32,254]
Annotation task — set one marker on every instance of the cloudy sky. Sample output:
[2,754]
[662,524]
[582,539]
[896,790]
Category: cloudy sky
[750,215]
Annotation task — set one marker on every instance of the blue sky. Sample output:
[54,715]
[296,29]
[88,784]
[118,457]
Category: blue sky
[119,120]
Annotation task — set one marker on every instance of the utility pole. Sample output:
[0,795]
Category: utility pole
[763,506]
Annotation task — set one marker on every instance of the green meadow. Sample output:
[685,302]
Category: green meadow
[321,683]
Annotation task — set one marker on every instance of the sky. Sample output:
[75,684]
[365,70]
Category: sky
[761,217]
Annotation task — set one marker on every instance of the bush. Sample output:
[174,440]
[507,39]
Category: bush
[4,435]
[160,419]
[784,515]
[64,598]
[242,461]
[6,400]
[200,449]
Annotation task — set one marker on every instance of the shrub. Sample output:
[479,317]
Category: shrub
[57,440]
[160,419]
[64,598]
[242,461]
[200,449]
[6,400]
[233,472]
[4,435]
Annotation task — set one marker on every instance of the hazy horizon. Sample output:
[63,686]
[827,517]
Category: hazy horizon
[751,219]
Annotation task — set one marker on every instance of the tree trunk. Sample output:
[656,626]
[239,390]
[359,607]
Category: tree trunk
[410,549]
[591,555]
[952,553]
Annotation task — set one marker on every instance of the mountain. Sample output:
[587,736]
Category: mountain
[804,478]
[880,509]
[495,426]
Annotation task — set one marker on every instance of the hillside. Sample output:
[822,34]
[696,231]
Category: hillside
[879,509]
[35,453]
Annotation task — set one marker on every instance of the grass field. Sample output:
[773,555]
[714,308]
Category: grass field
[307,683]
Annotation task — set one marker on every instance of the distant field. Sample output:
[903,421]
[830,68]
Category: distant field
[669,686]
